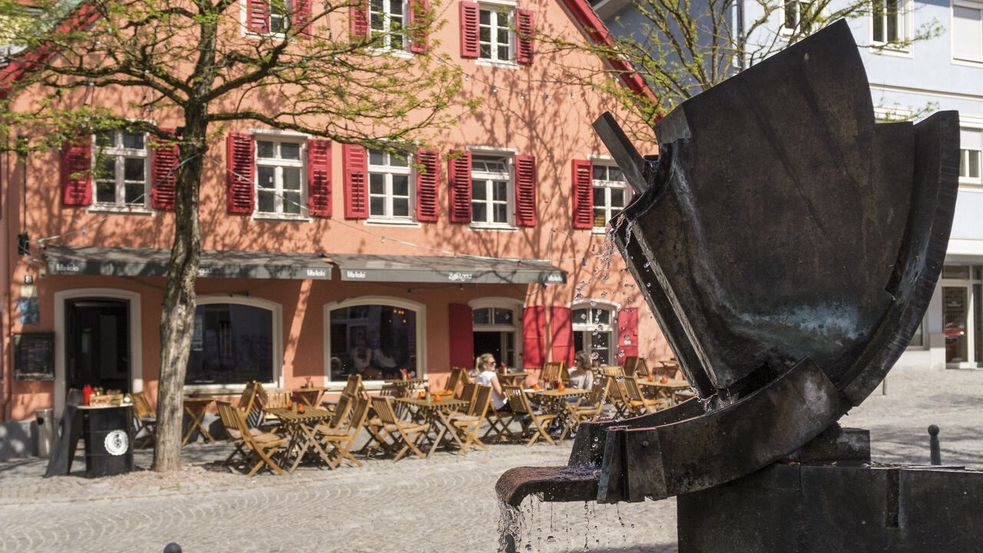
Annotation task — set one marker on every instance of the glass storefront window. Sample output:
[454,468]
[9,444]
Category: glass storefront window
[231,344]
[375,341]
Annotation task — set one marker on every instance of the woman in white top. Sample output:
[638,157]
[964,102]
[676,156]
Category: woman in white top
[484,365]
[582,376]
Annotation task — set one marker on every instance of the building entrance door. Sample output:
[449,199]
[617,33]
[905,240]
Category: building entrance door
[955,320]
[97,343]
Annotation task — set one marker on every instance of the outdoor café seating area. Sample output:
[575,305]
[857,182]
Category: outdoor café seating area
[280,430]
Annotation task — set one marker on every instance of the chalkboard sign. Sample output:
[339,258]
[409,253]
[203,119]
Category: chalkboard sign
[34,356]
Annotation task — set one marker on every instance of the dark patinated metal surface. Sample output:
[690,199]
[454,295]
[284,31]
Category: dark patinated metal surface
[789,247]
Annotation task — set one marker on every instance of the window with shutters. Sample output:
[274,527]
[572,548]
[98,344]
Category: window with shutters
[390,193]
[967,31]
[121,170]
[889,23]
[796,17]
[971,156]
[611,194]
[593,331]
[388,21]
[491,191]
[280,177]
[496,33]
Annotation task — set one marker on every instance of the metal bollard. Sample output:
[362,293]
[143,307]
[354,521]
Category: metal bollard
[172,548]
[933,445]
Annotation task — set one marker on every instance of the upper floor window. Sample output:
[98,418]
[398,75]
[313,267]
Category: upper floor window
[796,17]
[495,33]
[491,183]
[121,169]
[389,186]
[967,31]
[388,22]
[610,193]
[279,176]
[279,16]
[970,154]
[889,22]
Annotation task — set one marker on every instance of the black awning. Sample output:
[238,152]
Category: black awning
[459,269]
[94,260]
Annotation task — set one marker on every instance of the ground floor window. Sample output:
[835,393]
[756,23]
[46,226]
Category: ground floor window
[375,341]
[495,333]
[232,344]
[593,331]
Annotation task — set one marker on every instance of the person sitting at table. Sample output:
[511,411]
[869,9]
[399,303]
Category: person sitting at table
[484,366]
[581,376]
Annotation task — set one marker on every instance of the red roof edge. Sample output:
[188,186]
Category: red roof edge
[18,68]
[597,32]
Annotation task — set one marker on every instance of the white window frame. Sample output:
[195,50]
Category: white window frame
[588,328]
[276,315]
[388,170]
[387,26]
[511,304]
[279,164]
[785,30]
[497,8]
[244,24]
[607,185]
[488,178]
[964,155]
[967,4]
[904,25]
[422,361]
[120,154]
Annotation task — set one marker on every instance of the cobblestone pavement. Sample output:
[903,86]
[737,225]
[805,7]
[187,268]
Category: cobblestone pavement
[446,504]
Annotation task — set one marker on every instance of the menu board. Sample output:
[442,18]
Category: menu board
[34,356]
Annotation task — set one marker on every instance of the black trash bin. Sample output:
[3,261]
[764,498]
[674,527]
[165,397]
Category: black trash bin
[108,440]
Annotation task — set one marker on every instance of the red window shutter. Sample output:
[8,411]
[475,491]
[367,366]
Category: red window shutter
[419,20]
[319,178]
[163,171]
[469,30]
[525,191]
[583,194]
[301,17]
[258,16]
[76,172]
[459,181]
[427,179]
[627,333]
[524,36]
[241,163]
[358,20]
[561,330]
[355,162]
[533,336]
[461,335]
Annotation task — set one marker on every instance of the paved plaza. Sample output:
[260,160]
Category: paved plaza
[446,504]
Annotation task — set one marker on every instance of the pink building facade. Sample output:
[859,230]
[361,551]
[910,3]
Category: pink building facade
[323,260]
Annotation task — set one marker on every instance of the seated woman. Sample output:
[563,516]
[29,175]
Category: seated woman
[484,366]
[581,376]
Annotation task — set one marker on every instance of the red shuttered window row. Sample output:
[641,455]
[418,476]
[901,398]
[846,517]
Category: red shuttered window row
[76,172]
[459,168]
[263,19]
[558,340]
[363,24]
[521,33]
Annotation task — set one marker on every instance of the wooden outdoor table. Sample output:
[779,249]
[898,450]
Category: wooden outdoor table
[406,387]
[309,396]
[195,407]
[555,401]
[300,427]
[437,415]
[512,378]
[665,389]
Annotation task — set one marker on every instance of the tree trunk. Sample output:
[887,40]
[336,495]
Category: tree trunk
[177,319]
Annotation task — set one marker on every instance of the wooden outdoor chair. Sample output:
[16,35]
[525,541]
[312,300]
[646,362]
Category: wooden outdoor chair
[467,424]
[454,379]
[587,409]
[636,403]
[145,418]
[529,417]
[339,437]
[636,366]
[468,392]
[552,372]
[392,432]
[612,370]
[258,449]
[248,404]
[353,389]
[498,423]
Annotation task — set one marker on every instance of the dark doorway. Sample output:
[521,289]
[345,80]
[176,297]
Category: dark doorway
[97,343]
[499,344]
